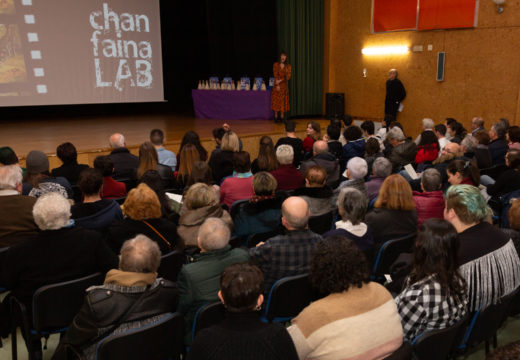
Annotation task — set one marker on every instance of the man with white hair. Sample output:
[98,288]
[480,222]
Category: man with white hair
[477,124]
[125,163]
[322,157]
[403,150]
[381,168]
[357,169]
[16,222]
[60,252]
[199,281]
[498,146]
[287,176]
[427,125]
[288,254]
[123,288]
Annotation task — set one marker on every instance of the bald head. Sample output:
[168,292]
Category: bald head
[320,147]
[295,213]
[451,148]
[117,141]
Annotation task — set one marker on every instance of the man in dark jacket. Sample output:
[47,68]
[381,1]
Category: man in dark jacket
[395,93]
[125,164]
[135,282]
[322,157]
[403,150]
[498,146]
[316,192]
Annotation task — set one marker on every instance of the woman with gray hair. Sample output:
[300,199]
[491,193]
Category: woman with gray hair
[352,207]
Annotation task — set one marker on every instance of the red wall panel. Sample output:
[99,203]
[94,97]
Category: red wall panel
[446,14]
[394,15]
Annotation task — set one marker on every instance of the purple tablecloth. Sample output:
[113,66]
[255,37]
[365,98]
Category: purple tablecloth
[232,104]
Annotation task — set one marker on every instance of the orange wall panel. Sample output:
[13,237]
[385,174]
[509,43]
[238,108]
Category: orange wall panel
[394,15]
[446,14]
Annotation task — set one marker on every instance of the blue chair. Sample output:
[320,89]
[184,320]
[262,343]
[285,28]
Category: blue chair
[388,253]
[206,316]
[161,340]
[371,204]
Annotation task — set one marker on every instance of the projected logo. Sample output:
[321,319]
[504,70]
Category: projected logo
[122,58]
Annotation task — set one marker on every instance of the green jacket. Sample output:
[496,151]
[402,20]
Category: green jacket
[199,282]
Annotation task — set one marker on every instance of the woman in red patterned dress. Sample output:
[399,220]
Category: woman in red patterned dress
[280,94]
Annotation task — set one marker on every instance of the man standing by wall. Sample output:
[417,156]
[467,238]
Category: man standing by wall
[395,93]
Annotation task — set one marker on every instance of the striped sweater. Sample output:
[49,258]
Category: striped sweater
[361,323]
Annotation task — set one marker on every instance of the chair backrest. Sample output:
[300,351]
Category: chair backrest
[440,344]
[322,223]
[208,315]
[389,251]
[160,340]
[288,297]
[54,306]
[171,265]
[404,352]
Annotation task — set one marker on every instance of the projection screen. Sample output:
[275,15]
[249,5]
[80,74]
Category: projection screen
[80,52]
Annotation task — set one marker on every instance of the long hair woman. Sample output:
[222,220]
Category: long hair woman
[266,160]
[313,133]
[191,137]
[434,285]
[428,148]
[280,94]
[463,172]
[190,155]
[148,160]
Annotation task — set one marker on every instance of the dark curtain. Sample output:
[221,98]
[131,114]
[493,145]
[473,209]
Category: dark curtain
[300,34]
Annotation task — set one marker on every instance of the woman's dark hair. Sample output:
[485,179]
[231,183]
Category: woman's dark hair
[352,133]
[317,128]
[90,181]
[482,137]
[450,121]
[266,155]
[465,169]
[347,120]
[368,126]
[372,146]
[67,153]
[514,133]
[435,254]
[104,164]
[337,265]
[286,57]
[393,124]
[429,140]
[458,129]
[333,132]
[241,284]
[241,162]
[200,173]
[513,157]
[154,182]
[191,137]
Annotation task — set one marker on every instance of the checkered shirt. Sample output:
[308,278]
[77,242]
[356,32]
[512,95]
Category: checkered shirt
[285,255]
[425,306]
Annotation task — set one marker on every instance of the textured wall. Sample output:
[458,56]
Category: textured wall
[481,73]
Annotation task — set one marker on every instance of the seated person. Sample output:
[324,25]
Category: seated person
[513,215]
[266,160]
[482,151]
[487,257]
[352,207]
[430,202]
[39,180]
[242,335]
[94,213]
[60,252]
[125,163]
[292,140]
[394,213]
[262,212]
[238,186]
[165,157]
[463,172]
[434,296]
[17,222]
[428,148]
[508,180]
[316,191]
[498,145]
[381,168]
[358,320]
[143,215]
[288,254]
[357,169]
[335,146]
[372,152]
[403,151]
[149,160]
[70,169]
[111,189]
[355,146]
[198,205]
[322,157]
[155,182]
[286,175]
[199,281]
[133,284]
[221,162]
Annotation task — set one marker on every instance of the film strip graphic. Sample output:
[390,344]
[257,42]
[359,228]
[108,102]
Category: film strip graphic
[35,51]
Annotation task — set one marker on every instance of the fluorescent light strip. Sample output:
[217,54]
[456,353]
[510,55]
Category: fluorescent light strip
[386,50]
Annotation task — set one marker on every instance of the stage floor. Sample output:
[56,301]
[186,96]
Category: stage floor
[92,133]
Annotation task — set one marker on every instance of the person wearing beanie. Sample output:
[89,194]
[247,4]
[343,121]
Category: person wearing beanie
[8,157]
[39,180]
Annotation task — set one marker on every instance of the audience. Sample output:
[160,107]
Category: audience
[39,181]
[434,296]
[483,249]
[372,152]
[111,189]
[469,146]
[94,213]
[316,192]
[368,130]
[356,171]
[132,297]
[191,137]
[125,164]
[166,157]
[262,212]
[448,123]
[394,213]
[498,145]
[440,132]
[313,133]
[199,204]
[154,182]
[430,202]
[266,160]
[513,216]
[463,172]
[428,148]
[70,169]
[508,180]
[199,280]
[427,125]
[148,160]
[322,157]
[513,137]
[286,175]
[335,146]
[403,151]
[288,254]
[239,186]
[293,141]
[143,215]
[357,319]
[221,163]
[477,124]
[457,132]
[242,335]
[355,146]
[381,168]
[17,222]
[190,156]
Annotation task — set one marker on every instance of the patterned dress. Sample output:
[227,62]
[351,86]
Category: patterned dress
[280,98]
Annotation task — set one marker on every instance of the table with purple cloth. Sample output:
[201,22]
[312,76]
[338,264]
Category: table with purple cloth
[232,104]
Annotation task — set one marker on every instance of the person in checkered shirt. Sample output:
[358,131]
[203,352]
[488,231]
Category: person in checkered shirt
[434,296]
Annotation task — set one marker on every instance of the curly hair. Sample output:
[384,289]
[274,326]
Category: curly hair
[337,265]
